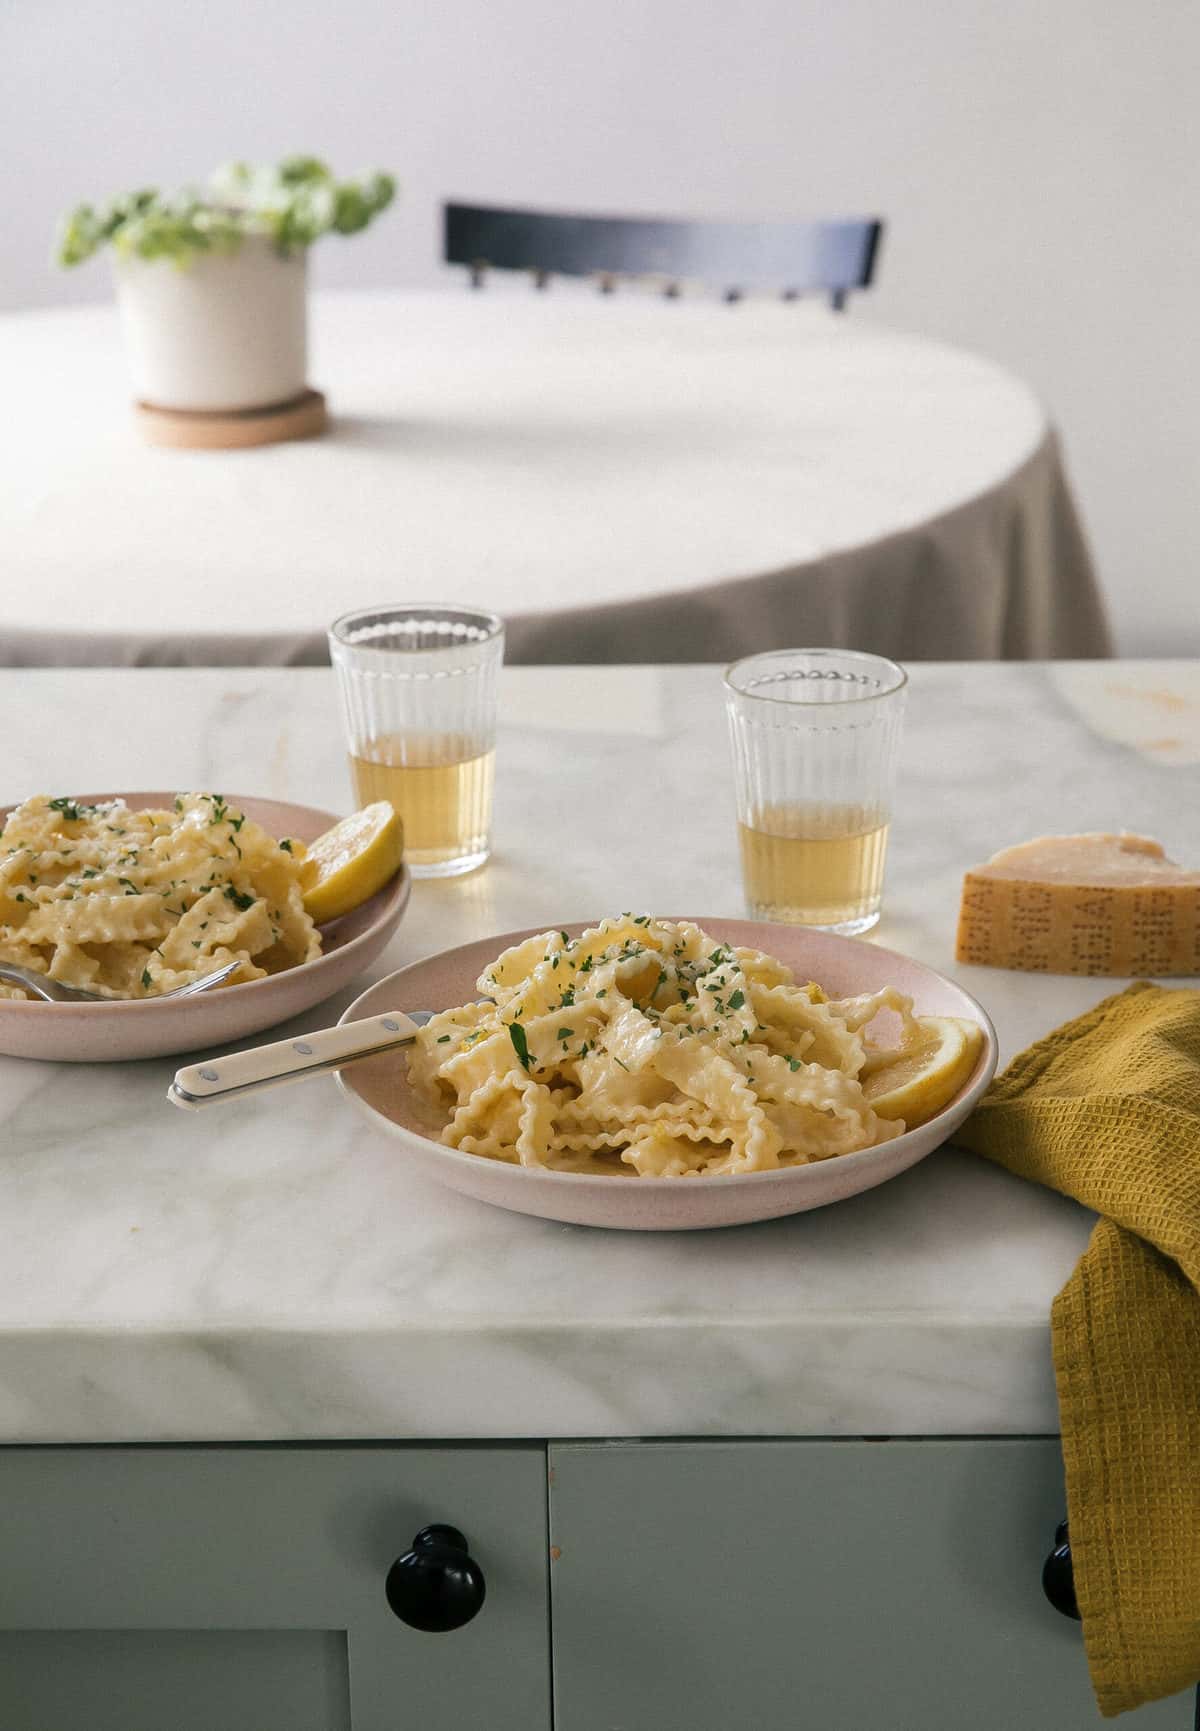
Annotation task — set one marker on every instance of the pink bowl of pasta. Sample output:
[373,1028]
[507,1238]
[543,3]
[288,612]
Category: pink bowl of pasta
[136,894]
[664,1075]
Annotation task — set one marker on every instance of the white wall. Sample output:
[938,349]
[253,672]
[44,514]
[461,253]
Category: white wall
[1036,161]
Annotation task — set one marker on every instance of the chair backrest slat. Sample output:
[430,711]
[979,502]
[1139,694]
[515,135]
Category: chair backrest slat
[793,257]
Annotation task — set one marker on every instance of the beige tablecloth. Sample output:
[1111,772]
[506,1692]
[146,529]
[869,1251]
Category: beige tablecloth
[623,479]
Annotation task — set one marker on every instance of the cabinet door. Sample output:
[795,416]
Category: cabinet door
[242,1589]
[813,1586]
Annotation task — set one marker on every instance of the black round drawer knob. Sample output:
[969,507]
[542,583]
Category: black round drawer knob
[1058,1575]
[438,1585]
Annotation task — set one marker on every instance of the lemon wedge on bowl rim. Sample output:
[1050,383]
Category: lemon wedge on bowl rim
[347,865]
[916,1085]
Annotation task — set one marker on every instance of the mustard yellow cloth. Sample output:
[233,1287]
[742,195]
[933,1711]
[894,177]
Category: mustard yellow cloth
[1107,1109]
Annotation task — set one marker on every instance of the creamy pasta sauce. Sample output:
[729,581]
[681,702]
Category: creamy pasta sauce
[133,903]
[645,1046]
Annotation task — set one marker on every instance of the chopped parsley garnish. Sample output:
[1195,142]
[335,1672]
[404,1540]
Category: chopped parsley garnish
[603,992]
[585,966]
[568,998]
[565,1034]
[642,920]
[624,1067]
[219,808]
[566,940]
[145,976]
[737,999]
[239,898]
[70,808]
[178,803]
[286,845]
[442,1038]
[131,889]
[793,1063]
[516,1034]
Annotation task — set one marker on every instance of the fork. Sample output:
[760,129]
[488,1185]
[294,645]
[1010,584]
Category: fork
[259,1067]
[55,992]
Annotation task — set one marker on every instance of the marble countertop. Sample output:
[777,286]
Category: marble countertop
[272,1271]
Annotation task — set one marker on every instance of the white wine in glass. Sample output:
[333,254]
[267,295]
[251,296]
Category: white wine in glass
[814,734]
[442,788]
[418,684]
[813,865]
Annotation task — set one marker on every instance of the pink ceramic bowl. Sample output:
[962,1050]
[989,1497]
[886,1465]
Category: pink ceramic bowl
[151,1028]
[378,1088]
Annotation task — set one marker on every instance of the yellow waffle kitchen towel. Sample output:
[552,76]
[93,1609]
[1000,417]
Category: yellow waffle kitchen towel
[1107,1109]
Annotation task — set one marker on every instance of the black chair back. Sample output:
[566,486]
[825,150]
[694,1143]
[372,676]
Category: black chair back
[789,258]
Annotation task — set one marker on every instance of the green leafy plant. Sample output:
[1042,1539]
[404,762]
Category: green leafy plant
[292,204]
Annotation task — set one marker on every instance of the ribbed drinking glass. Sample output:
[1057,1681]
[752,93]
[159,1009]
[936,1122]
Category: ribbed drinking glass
[814,735]
[419,685]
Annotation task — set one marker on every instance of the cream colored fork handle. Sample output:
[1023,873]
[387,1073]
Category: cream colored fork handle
[258,1067]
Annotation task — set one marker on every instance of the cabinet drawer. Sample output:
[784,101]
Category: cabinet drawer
[814,1586]
[242,1589]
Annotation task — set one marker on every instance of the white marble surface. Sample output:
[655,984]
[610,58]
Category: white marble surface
[272,1271]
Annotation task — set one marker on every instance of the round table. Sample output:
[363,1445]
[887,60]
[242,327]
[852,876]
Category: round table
[623,478]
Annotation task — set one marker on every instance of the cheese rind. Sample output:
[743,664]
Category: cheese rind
[1087,904]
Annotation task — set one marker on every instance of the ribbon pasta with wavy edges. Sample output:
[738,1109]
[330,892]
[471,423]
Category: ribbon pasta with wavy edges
[645,1044]
[134,903]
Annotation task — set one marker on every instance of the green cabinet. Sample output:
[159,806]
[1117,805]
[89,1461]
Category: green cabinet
[673,1586]
[814,1586]
[242,1589]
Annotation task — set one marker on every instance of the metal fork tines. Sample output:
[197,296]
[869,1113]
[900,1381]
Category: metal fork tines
[56,992]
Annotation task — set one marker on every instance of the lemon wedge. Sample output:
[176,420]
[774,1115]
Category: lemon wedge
[916,1085]
[352,860]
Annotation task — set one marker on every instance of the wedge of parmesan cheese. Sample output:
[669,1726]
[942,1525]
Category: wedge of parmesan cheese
[1082,904]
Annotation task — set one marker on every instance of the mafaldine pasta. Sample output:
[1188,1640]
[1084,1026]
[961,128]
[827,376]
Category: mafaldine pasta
[646,1046]
[134,903]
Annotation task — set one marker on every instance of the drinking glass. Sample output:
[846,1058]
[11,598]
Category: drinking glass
[814,735]
[419,685]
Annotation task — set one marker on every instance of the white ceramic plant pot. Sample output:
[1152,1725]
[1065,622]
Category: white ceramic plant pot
[225,331]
